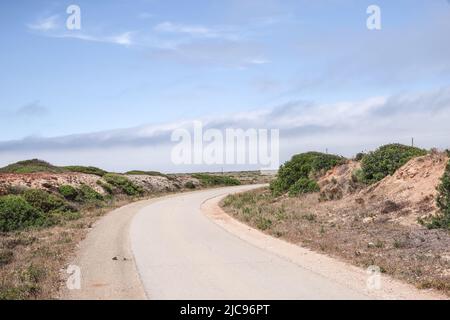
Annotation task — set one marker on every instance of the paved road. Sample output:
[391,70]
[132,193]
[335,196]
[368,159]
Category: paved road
[182,254]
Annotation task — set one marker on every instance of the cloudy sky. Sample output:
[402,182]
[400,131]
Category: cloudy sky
[112,93]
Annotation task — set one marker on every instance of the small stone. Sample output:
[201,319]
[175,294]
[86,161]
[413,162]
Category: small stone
[368,220]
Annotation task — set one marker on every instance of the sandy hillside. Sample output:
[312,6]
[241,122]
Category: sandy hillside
[404,197]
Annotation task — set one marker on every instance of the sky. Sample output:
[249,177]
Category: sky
[111,93]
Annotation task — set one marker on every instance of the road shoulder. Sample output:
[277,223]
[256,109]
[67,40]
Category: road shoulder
[105,259]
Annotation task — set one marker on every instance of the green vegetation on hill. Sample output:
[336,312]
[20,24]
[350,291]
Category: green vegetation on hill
[124,184]
[31,166]
[216,180]
[45,201]
[298,175]
[386,160]
[17,214]
[149,173]
[88,170]
[145,173]
[302,186]
[443,203]
[83,194]
[36,165]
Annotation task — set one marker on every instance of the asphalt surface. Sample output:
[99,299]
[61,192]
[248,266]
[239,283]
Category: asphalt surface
[181,254]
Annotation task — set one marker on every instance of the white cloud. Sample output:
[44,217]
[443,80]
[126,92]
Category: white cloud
[199,31]
[259,61]
[123,39]
[178,28]
[344,128]
[46,24]
[217,52]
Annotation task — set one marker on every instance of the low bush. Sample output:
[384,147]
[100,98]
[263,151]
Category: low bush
[302,186]
[359,156]
[146,173]
[386,160]
[17,214]
[31,166]
[87,194]
[263,223]
[88,170]
[216,180]
[189,185]
[82,194]
[68,192]
[106,186]
[45,201]
[308,165]
[442,220]
[124,184]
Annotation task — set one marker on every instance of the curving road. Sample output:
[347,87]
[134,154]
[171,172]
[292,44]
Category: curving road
[184,246]
[182,254]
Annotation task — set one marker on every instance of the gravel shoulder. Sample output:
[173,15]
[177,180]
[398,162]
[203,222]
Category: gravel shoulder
[108,270]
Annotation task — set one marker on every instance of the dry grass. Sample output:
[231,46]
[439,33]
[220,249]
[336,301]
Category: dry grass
[357,235]
[31,261]
[37,256]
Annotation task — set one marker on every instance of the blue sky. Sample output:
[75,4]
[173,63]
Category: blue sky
[146,63]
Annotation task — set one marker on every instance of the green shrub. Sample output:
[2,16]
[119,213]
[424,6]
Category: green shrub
[359,156]
[263,223]
[17,214]
[308,165]
[45,201]
[189,185]
[83,194]
[146,173]
[216,180]
[358,176]
[31,166]
[88,170]
[386,160]
[68,192]
[302,186]
[124,184]
[106,186]
[87,194]
[443,203]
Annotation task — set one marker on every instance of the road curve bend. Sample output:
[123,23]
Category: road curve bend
[182,253]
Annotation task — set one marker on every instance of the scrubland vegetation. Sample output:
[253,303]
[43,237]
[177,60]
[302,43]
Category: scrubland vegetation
[368,224]
[216,180]
[442,220]
[45,210]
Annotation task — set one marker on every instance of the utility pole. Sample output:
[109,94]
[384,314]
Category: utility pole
[412,142]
